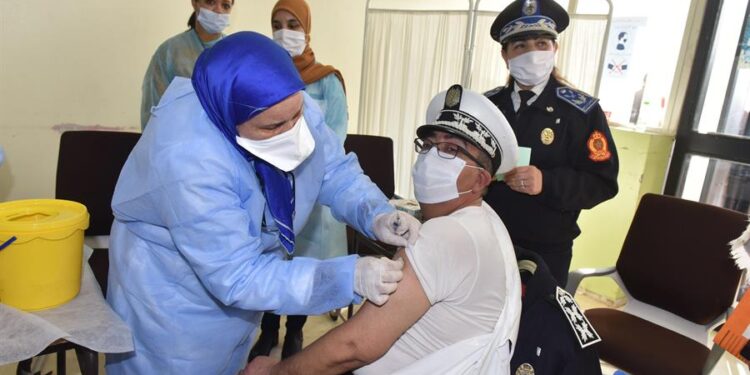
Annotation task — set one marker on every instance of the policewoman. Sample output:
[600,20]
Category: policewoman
[573,163]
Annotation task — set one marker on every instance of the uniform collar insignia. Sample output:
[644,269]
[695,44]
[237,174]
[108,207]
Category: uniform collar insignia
[584,331]
[582,101]
[494,91]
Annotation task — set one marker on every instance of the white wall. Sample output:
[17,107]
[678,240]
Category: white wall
[79,64]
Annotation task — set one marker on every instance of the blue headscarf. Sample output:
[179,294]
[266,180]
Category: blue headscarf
[237,79]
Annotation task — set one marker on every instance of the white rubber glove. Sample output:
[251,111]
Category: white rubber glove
[396,228]
[375,279]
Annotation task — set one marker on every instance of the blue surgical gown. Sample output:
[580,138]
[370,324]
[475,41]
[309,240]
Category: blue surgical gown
[323,236]
[194,254]
[174,58]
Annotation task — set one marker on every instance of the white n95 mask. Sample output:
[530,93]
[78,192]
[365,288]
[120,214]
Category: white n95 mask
[435,177]
[292,41]
[285,151]
[532,68]
[211,21]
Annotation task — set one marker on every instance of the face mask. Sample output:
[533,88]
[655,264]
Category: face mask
[212,22]
[292,41]
[435,177]
[532,68]
[285,151]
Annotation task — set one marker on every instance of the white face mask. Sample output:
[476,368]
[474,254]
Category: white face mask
[211,21]
[290,40]
[285,151]
[435,177]
[532,68]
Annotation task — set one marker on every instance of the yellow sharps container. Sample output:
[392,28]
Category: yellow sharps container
[41,250]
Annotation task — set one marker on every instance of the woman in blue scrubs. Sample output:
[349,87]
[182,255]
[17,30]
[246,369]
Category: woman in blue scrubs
[176,56]
[209,202]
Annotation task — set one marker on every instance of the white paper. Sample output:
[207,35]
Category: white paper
[87,320]
[524,158]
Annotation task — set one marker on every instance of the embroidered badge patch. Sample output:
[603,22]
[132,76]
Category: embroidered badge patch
[576,98]
[598,147]
[583,330]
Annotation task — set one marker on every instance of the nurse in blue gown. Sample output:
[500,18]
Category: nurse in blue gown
[208,204]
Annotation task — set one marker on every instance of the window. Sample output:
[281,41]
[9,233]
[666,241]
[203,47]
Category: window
[640,61]
[711,160]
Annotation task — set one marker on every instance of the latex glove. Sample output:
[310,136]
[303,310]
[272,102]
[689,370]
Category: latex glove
[396,228]
[376,278]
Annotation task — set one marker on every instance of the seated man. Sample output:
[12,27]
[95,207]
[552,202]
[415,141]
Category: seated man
[459,302]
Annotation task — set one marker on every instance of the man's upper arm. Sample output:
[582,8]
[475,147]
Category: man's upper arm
[365,337]
[380,326]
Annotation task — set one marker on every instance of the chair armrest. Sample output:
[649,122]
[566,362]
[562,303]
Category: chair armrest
[97,242]
[717,351]
[575,277]
[713,359]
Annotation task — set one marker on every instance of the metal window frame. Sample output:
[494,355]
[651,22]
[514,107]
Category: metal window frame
[687,140]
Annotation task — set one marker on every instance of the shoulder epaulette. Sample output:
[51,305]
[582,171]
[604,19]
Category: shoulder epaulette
[583,330]
[494,91]
[579,99]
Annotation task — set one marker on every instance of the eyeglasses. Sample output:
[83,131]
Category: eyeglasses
[445,150]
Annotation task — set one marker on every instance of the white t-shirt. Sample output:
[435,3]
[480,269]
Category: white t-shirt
[458,260]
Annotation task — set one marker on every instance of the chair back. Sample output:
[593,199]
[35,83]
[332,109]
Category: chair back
[676,257]
[375,156]
[88,165]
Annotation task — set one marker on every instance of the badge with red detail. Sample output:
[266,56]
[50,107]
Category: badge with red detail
[598,147]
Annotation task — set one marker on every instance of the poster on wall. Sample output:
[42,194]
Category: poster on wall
[622,38]
[744,62]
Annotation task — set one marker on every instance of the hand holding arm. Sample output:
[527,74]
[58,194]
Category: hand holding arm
[375,279]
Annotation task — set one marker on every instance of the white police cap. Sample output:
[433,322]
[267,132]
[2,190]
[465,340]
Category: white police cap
[473,117]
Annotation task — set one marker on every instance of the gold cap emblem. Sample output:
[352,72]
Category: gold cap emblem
[453,97]
[529,7]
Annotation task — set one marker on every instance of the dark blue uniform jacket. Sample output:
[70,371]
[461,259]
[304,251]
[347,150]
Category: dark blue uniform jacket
[572,146]
[547,341]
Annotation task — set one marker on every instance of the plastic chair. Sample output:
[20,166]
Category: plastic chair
[88,165]
[375,155]
[680,283]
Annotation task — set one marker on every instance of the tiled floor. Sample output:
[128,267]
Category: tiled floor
[318,325]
